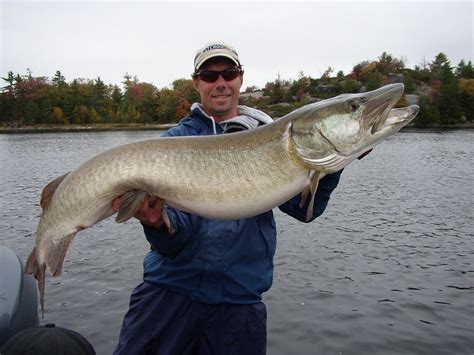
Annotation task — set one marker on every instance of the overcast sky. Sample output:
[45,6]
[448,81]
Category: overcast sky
[157,41]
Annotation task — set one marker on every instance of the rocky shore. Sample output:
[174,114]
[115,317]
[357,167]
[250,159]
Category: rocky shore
[83,128]
[161,127]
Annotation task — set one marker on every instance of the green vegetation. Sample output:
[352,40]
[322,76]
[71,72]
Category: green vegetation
[28,100]
[445,94]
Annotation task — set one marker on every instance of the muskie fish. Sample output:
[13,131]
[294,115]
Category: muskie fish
[228,176]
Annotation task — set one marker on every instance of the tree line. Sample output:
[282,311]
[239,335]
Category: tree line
[444,92]
[30,100]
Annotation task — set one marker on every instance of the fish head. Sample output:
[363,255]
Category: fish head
[328,135]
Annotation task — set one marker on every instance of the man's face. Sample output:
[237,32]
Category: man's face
[220,98]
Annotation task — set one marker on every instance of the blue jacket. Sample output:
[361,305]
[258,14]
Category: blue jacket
[216,261]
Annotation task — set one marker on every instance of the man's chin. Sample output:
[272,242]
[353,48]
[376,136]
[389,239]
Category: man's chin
[221,110]
[219,103]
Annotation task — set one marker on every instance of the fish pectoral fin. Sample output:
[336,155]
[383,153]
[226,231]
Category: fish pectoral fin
[166,220]
[304,196]
[313,188]
[130,203]
[307,190]
[48,191]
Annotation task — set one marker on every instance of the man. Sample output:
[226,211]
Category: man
[203,281]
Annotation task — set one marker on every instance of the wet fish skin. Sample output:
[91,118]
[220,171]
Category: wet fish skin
[229,176]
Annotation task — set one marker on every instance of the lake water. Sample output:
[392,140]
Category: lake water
[388,269]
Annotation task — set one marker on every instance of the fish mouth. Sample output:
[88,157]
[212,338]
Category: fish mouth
[396,119]
[378,104]
[399,117]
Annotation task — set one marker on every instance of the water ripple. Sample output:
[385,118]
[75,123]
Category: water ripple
[388,269]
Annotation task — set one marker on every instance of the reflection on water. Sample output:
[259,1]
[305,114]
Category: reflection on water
[389,268]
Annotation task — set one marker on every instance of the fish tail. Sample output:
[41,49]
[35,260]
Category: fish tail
[54,258]
[40,277]
[33,267]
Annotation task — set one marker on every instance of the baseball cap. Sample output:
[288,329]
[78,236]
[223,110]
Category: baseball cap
[215,49]
[47,340]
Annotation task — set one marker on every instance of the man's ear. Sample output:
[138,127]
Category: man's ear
[195,84]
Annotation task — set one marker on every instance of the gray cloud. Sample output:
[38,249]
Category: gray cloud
[157,41]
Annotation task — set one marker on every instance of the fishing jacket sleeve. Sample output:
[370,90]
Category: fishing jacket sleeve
[162,241]
[325,188]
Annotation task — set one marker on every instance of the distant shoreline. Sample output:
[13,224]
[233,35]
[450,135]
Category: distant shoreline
[459,126]
[162,127]
[84,128]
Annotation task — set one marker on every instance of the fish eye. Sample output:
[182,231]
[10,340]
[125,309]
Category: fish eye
[353,105]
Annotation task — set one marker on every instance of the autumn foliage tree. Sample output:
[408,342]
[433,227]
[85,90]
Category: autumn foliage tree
[445,92]
[27,100]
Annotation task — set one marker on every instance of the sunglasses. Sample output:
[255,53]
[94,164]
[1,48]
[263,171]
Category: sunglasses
[211,76]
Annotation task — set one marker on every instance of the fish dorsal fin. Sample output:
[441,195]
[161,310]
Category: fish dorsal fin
[313,188]
[48,191]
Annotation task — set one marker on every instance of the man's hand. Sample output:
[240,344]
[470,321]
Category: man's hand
[150,212]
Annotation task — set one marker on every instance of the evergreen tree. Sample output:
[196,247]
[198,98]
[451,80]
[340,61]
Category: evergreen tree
[465,71]
[10,87]
[450,100]
[7,99]
[58,78]
[436,67]
[100,100]
[31,113]
[115,104]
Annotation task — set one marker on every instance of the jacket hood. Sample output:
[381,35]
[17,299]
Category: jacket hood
[248,118]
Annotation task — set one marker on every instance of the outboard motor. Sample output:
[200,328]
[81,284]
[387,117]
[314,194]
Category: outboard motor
[18,296]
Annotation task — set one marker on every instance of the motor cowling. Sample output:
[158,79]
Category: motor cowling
[18,296]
